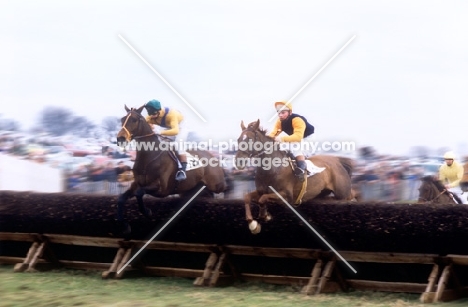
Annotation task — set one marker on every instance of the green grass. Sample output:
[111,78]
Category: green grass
[86,288]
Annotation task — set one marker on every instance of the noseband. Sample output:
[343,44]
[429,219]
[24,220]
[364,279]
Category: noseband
[129,135]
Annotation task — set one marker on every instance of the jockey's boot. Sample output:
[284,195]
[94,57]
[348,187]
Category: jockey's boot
[180,175]
[300,169]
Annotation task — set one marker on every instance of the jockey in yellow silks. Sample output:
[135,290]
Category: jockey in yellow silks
[296,129]
[171,120]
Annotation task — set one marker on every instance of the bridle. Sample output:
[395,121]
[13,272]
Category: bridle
[437,196]
[252,154]
[129,135]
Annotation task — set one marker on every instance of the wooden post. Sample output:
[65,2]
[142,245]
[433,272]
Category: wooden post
[113,268]
[125,258]
[20,267]
[340,279]
[210,263]
[311,286]
[234,272]
[327,272]
[215,275]
[443,281]
[427,296]
[38,254]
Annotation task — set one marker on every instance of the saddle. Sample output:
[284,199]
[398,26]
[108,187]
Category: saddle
[311,169]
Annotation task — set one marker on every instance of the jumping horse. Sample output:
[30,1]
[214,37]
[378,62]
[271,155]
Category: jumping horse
[432,191]
[335,176]
[155,167]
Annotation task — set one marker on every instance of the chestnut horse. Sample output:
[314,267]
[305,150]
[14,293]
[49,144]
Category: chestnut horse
[432,191]
[274,168]
[155,167]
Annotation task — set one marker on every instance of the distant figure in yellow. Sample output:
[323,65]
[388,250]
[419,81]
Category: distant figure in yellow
[451,173]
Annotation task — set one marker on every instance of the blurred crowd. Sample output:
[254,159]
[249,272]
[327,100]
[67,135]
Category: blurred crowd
[104,168]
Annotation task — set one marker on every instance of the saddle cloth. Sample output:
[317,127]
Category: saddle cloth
[313,169]
[193,162]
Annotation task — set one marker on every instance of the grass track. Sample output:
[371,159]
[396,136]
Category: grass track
[86,288]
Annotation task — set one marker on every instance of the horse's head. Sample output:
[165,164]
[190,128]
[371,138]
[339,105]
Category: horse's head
[133,125]
[428,190]
[252,142]
[432,190]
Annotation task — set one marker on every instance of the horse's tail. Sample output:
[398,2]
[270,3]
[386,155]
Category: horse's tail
[348,164]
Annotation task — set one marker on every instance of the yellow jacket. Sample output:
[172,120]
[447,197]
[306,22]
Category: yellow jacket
[169,120]
[299,126]
[453,174]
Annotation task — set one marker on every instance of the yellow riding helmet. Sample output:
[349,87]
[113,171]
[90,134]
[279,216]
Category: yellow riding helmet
[449,155]
[283,105]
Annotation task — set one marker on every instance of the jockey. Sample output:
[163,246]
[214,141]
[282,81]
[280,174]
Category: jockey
[450,174]
[171,120]
[296,129]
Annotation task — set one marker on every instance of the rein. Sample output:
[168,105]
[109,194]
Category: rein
[129,135]
[438,195]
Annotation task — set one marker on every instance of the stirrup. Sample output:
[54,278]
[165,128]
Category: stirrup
[180,175]
[299,173]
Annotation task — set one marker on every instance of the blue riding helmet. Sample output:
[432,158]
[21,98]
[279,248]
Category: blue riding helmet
[153,106]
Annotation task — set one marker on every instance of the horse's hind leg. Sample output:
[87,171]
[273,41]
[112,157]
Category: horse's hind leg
[141,206]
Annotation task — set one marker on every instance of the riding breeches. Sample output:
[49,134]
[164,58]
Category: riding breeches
[458,191]
[178,142]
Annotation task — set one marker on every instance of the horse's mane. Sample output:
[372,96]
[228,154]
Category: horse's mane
[436,182]
[261,130]
[439,185]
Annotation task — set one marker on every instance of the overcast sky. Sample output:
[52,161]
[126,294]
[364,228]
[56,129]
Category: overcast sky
[401,82]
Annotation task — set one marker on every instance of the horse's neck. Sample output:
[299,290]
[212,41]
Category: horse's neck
[272,152]
[148,147]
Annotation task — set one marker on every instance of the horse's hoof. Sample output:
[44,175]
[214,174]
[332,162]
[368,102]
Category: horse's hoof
[255,227]
[268,217]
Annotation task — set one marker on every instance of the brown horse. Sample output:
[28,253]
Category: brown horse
[433,191]
[155,167]
[334,178]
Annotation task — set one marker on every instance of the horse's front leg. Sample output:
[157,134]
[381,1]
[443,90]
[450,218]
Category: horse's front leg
[263,213]
[121,212]
[140,192]
[254,226]
[274,198]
